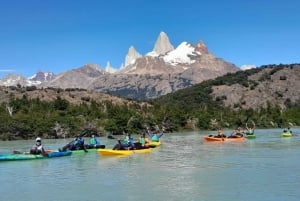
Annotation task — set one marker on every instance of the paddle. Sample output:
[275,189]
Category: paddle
[44,154]
[18,152]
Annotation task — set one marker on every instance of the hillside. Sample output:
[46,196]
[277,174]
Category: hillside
[271,85]
[268,96]
[73,96]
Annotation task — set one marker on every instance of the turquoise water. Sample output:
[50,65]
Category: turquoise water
[184,167]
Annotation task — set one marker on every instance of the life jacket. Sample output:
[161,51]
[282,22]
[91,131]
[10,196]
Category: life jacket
[250,132]
[93,141]
[125,141]
[142,141]
[40,147]
[154,138]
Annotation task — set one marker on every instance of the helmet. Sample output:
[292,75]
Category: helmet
[38,139]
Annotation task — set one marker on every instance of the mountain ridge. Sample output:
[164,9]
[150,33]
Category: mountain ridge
[169,68]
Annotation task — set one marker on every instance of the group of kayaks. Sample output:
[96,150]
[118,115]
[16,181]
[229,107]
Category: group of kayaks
[239,139]
[52,154]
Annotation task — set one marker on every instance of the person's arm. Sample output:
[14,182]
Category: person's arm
[159,135]
[149,134]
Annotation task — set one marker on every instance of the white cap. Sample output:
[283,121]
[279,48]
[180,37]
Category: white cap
[38,139]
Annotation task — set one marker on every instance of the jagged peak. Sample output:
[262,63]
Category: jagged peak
[201,47]
[109,68]
[131,56]
[162,45]
[92,70]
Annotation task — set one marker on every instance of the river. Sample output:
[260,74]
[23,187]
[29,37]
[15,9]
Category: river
[184,167]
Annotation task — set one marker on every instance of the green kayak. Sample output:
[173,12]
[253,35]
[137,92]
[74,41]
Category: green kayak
[250,136]
[89,149]
[26,156]
[286,134]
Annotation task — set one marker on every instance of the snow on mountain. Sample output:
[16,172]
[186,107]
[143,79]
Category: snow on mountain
[247,67]
[41,77]
[181,54]
[13,80]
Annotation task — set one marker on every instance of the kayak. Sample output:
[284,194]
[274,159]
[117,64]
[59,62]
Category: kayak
[250,136]
[219,139]
[110,152]
[89,150]
[141,151]
[286,134]
[155,144]
[27,156]
[212,138]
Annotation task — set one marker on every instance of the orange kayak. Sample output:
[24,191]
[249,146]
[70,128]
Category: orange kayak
[215,139]
[219,139]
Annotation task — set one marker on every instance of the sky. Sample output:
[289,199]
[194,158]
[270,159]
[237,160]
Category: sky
[60,35]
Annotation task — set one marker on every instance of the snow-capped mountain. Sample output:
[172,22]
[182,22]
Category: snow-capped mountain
[247,67]
[36,79]
[42,77]
[181,55]
[163,70]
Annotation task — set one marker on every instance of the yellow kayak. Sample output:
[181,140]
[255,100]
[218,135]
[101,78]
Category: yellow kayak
[155,144]
[141,151]
[111,152]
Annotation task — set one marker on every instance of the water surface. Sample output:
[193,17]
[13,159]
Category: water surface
[184,167]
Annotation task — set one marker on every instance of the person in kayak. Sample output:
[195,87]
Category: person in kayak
[250,130]
[38,147]
[220,134]
[143,142]
[154,137]
[76,144]
[94,142]
[126,144]
[236,133]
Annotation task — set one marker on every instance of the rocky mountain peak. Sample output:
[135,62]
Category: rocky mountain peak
[91,70]
[131,56]
[13,80]
[162,45]
[109,68]
[42,76]
[201,47]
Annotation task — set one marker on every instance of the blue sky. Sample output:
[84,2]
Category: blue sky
[59,35]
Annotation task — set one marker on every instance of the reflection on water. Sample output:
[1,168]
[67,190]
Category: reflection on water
[184,167]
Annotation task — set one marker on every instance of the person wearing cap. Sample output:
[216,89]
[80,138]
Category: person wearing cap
[38,147]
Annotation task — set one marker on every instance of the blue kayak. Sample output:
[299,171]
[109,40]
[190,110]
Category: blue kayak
[26,156]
